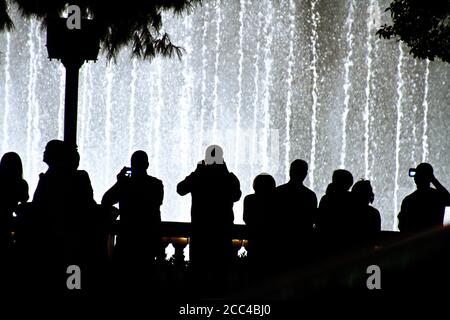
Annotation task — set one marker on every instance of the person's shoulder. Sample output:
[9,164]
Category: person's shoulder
[44,176]
[82,173]
[411,196]
[324,199]
[23,183]
[282,187]
[232,177]
[231,174]
[249,197]
[154,180]
[309,191]
[434,192]
[373,210]
[438,196]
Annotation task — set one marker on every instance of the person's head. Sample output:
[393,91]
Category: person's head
[73,157]
[363,191]
[424,175]
[11,165]
[342,180]
[55,154]
[213,155]
[139,162]
[264,183]
[298,170]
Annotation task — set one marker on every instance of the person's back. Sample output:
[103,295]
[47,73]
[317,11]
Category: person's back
[213,194]
[421,210]
[367,220]
[297,206]
[13,190]
[424,208]
[214,190]
[259,216]
[64,195]
[139,196]
[295,209]
[140,201]
[59,221]
[336,221]
[336,215]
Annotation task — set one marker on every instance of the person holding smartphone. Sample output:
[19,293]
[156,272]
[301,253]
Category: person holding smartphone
[139,196]
[214,189]
[424,208]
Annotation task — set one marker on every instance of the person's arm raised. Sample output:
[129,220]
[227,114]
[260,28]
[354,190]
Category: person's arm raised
[112,196]
[439,187]
[185,186]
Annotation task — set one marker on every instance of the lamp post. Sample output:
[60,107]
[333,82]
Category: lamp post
[72,47]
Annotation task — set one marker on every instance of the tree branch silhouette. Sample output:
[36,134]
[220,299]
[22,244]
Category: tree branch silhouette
[423,25]
[135,23]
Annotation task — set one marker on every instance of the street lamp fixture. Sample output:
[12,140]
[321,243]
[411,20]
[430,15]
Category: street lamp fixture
[72,47]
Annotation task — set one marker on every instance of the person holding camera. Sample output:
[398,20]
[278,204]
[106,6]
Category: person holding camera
[139,196]
[214,190]
[424,208]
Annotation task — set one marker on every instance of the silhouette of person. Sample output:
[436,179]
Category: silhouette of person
[64,202]
[336,215]
[368,219]
[13,190]
[214,190]
[139,196]
[296,208]
[258,216]
[424,208]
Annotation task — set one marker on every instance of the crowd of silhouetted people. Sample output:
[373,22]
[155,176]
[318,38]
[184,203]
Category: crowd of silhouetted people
[287,227]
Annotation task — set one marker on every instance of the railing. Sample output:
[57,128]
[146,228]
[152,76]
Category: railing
[178,234]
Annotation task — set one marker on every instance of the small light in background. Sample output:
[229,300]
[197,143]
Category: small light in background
[170,251]
[447,216]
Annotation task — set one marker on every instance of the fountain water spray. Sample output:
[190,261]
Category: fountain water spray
[398,129]
[315,18]
[289,80]
[425,113]
[6,97]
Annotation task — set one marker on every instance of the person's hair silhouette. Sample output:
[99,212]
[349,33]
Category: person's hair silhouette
[13,190]
[139,162]
[342,180]
[425,207]
[263,184]
[11,165]
[298,170]
[55,154]
[335,221]
[367,220]
[363,192]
